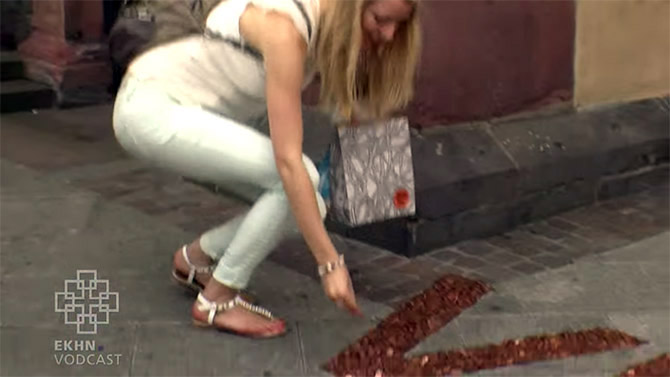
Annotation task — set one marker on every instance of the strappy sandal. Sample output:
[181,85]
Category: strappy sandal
[188,281]
[213,308]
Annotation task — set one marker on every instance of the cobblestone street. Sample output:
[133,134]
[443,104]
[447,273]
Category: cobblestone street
[89,158]
[72,199]
[389,278]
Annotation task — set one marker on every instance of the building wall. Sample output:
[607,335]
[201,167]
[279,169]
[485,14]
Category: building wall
[622,50]
[484,59]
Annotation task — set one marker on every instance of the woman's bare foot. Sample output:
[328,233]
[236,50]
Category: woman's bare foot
[238,319]
[197,258]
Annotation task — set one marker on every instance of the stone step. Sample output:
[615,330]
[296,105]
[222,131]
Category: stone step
[24,95]
[478,180]
[12,66]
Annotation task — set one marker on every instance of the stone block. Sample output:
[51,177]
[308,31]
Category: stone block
[459,168]
[545,203]
[23,95]
[626,183]
[394,235]
[561,149]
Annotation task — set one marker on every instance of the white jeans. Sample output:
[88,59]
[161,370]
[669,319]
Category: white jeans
[207,146]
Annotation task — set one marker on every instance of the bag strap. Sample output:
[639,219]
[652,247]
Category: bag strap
[303,12]
[209,33]
[197,4]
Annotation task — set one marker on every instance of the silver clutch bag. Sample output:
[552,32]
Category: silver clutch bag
[371,173]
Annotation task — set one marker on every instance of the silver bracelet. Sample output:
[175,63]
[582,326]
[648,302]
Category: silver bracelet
[331,266]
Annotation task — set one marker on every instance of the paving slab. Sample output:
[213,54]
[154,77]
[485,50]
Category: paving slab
[90,206]
[29,301]
[496,303]
[16,178]
[88,247]
[321,340]
[47,238]
[45,215]
[177,350]
[77,146]
[480,330]
[57,138]
[32,351]
[33,205]
[624,289]
[299,298]
[539,369]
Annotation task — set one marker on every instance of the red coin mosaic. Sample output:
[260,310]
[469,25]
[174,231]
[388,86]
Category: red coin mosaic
[381,351]
[656,367]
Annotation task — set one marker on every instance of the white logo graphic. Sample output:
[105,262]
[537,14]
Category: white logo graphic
[87,302]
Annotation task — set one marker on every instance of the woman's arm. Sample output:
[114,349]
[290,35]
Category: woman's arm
[284,52]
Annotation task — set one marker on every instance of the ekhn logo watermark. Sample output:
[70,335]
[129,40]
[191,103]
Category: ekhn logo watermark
[86,302]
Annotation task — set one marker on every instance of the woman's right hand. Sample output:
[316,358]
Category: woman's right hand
[284,53]
[338,287]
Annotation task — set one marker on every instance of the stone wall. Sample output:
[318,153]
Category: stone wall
[485,59]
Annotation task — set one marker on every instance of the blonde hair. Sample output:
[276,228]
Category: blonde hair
[387,83]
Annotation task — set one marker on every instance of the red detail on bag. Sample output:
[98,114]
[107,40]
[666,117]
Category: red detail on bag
[401,198]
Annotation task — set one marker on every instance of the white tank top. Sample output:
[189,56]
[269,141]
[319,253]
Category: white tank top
[218,71]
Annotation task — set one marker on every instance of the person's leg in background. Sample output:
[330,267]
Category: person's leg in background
[110,11]
[209,147]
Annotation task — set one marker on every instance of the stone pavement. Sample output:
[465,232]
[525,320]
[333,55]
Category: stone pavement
[78,146]
[71,200]
[624,289]
[50,229]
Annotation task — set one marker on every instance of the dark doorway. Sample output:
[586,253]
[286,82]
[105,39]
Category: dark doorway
[110,12]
